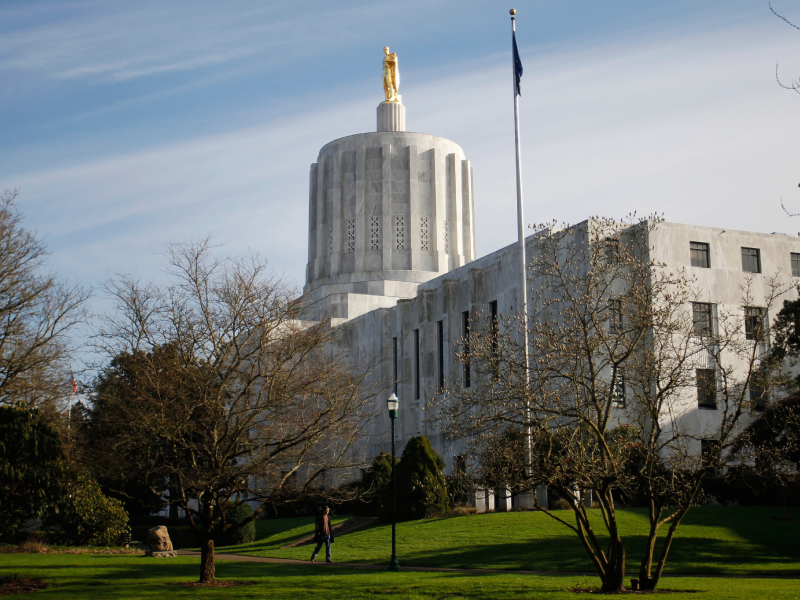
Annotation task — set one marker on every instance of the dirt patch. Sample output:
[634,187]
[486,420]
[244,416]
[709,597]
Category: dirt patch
[587,590]
[14,585]
[42,549]
[217,583]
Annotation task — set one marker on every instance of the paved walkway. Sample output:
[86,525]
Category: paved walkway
[292,561]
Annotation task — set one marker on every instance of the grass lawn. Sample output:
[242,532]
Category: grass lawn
[87,576]
[721,540]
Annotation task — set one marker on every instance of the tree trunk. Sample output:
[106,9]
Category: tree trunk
[207,568]
[614,577]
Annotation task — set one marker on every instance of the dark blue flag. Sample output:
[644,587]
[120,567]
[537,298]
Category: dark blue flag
[517,63]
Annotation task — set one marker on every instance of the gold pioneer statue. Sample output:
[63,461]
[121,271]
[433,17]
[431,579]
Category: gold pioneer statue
[391,76]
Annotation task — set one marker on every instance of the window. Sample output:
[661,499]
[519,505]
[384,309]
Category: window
[465,335]
[751,260]
[615,316]
[706,389]
[493,332]
[440,356]
[754,323]
[758,393]
[416,364]
[699,255]
[795,264]
[618,390]
[394,364]
[611,251]
[709,451]
[702,317]
[459,464]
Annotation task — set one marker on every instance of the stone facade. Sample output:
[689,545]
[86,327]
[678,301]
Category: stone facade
[411,302]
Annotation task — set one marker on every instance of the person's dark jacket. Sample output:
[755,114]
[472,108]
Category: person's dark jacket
[319,529]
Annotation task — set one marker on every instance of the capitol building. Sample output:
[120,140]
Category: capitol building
[392,262]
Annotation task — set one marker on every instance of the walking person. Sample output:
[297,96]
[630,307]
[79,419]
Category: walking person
[323,534]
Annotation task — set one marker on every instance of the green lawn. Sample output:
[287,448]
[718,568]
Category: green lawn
[722,540]
[86,576]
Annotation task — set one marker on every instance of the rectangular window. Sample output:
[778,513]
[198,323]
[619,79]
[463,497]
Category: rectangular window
[440,353]
[699,255]
[751,260]
[709,451]
[615,316]
[612,251]
[395,358]
[706,389]
[758,396]
[795,264]
[465,335]
[758,391]
[416,365]
[754,323]
[494,333]
[702,317]
[618,390]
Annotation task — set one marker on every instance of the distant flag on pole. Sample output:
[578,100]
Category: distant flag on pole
[517,63]
[73,382]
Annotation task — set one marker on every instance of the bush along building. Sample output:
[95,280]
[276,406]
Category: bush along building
[392,262]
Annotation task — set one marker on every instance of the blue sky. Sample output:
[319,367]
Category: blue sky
[129,124]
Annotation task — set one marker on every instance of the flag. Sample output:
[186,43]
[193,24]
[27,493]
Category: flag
[73,382]
[517,63]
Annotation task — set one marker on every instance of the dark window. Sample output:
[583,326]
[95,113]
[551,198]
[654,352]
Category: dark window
[751,260]
[494,332]
[795,264]
[699,254]
[702,317]
[459,464]
[416,364]
[612,252]
[440,347]
[754,323]
[758,392]
[615,316]
[709,451]
[465,335]
[706,388]
[394,364]
[618,390]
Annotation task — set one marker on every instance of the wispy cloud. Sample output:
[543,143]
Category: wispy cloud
[691,126]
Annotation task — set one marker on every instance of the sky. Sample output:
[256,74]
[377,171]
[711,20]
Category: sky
[127,125]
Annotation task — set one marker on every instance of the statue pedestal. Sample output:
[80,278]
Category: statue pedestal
[391,116]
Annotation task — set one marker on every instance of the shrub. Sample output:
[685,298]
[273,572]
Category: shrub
[421,488]
[86,516]
[561,504]
[30,453]
[373,488]
[238,535]
[462,510]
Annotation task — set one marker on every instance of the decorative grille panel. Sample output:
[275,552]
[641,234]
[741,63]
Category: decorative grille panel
[400,230]
[351,235]
[374,238]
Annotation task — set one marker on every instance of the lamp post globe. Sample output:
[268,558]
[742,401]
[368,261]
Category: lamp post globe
[393,404]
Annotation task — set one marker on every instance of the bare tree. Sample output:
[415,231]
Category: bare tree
[623,354]
[231,395]
[795,83]
[38,310]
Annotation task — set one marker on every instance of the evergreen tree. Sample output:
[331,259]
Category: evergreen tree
[421,487]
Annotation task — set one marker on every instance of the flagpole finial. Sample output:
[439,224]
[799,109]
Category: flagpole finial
[512,12]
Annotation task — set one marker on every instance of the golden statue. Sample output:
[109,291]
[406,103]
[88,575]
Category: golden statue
[391,76]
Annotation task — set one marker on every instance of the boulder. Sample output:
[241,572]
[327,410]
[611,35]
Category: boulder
[159,542]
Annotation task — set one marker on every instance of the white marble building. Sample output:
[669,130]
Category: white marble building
[392,259]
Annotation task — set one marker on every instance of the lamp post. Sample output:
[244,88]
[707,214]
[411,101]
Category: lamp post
[392,404]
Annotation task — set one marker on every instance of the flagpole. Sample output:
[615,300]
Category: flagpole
[523,281]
